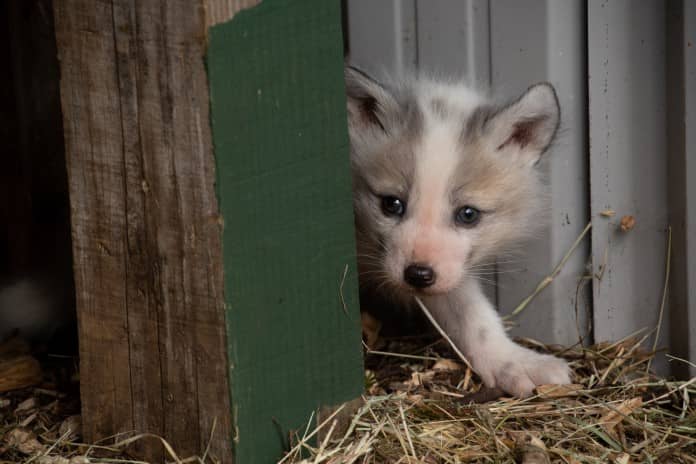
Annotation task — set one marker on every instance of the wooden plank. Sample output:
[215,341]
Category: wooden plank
[279,127]
[628,169]
[146,238]
[681,139]
[95,176]
[545,41]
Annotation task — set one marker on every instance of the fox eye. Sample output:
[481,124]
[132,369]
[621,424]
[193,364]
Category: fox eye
[467,216]
[392,206]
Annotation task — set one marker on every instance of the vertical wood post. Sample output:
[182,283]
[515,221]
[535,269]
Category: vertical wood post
[145,221]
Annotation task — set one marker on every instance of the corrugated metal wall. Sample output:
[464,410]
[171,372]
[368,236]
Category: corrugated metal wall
[625,75]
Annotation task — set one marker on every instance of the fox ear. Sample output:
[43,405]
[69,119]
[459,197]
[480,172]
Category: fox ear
[369,103]
[528,125]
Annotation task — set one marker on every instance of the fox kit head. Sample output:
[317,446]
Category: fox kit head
[443,179]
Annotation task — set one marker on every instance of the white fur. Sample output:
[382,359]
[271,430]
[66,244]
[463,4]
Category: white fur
[458,303]
[425,237]
[473,324]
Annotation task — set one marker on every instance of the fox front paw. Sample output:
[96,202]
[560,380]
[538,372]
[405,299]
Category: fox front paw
[523,370]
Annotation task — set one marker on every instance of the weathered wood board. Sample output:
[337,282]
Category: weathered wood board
[145,223]
[279,130]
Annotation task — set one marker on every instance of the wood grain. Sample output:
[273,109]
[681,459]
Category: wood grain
[145,222]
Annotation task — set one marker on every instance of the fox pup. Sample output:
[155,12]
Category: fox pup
[444,180]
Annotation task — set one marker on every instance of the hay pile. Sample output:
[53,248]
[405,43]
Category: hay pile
[423,407]
[426,408]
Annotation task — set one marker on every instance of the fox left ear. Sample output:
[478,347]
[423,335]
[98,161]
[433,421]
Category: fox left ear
[528,125]
[370,105]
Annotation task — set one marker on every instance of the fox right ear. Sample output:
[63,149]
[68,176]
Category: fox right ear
[528,125]
[369,102]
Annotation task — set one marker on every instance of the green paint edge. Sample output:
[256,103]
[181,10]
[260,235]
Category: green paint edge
[284,188]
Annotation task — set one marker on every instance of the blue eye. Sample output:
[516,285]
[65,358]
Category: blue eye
[467,216]
[392,206]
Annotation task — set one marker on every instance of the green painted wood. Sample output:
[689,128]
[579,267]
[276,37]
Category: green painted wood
[279,130]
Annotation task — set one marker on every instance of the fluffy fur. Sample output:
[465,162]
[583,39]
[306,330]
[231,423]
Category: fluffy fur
[438,147]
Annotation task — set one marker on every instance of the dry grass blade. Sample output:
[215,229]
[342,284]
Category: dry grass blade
[167,447]
[442,332]
[305,439]
[612,418]
[668,266]
[406,431]
[558,391]
[546,281]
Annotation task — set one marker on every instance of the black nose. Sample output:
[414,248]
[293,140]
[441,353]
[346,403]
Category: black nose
[419,276]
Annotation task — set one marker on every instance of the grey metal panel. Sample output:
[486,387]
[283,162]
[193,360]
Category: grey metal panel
[453,39]
[681,119]
[382,35]
[628,169]
[689,44]
[535,41]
